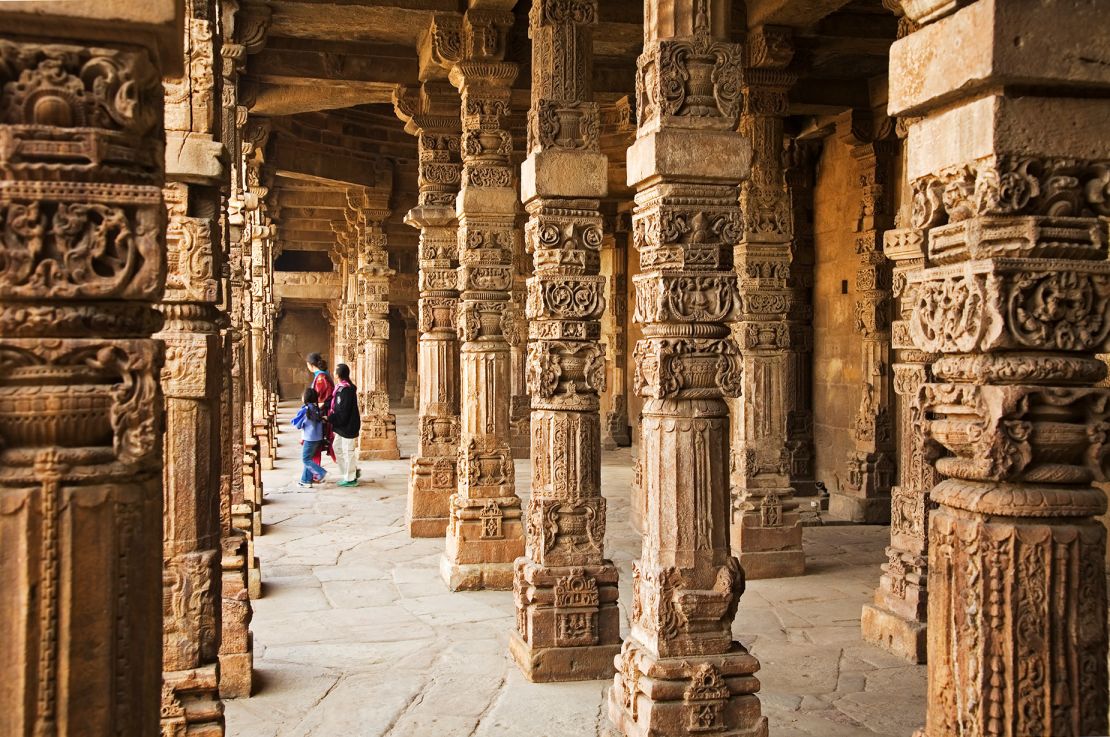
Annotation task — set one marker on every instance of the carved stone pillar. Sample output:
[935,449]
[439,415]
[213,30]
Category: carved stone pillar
[191,380]
[896,619]
[568,623]
[615,429]
[485,533]
[680,671]
[515,326]
[1016,298]
[412,373]
[378,439]
[870,467]
[434,118]
[241,577]
[800,174]
[766,526]
[82,265]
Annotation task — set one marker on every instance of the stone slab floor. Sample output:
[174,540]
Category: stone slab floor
[356,634]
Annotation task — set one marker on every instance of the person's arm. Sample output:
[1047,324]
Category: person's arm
[298,421]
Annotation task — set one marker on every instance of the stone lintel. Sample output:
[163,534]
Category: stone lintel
[156,24]
[994,43]
[1041,126]
[700,155]
[194,158]
[564,174]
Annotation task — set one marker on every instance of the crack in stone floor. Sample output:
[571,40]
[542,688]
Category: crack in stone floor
[357,635]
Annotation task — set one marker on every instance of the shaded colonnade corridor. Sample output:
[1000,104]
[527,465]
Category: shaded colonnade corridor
[357,634]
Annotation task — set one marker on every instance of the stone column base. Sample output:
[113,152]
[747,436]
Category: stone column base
[191,703]
[476,576]
[431,484]
[237,674]
[379,449]
[661,697]
[768,552]
[554,664]
[897,635]
[485,536]
[866,511]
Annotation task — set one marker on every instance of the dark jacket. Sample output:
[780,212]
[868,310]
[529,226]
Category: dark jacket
[343,416]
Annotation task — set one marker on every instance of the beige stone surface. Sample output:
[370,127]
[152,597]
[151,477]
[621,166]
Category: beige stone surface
[357,633]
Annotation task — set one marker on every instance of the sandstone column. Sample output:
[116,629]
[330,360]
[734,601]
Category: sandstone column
[870,468]
[515,326]
[766,526]
[485,533]
[800,177]
[616,432]
[412,373]
[191,573]
[568,623]
[1016,297]
[434,118]
[378,439]
[82,265]
[680,672]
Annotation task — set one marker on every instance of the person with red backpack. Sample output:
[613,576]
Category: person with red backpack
[324,386]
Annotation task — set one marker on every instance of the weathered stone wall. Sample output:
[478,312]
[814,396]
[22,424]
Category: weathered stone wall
[837,370]
[300,331]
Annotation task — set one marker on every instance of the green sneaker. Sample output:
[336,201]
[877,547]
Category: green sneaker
[347,483]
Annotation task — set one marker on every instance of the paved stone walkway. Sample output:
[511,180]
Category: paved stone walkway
[357,636]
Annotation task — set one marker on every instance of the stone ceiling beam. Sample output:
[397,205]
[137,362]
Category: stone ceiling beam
[795,13]
[298,160]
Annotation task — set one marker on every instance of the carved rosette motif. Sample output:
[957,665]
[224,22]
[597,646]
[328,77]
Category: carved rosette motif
[679,671]
[1013,418]
[433,116]
[485,531]
[82,224]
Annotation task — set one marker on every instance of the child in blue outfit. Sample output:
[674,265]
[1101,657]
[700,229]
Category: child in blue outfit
[311,424]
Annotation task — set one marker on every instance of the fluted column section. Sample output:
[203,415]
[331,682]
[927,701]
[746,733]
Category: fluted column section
[485,533]
[568,624]
[191,380]
[378,439]
[680,672]
[432,115]
[1016,299]
[82,265]
[766,526]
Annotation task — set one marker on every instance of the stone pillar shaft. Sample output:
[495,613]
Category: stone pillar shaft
[766,526]
[1016,300]
[568,623]
[616,432]
[679,671]
[433,116]
[378,439]
[485,533]
[83,251]
[191,380]
[865,496]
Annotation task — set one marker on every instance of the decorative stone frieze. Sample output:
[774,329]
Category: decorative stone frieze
[82,266]
[485,533]
[1014,299]
[433,116]
[680,671]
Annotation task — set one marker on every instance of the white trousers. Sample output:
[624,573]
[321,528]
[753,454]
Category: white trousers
[346,455]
